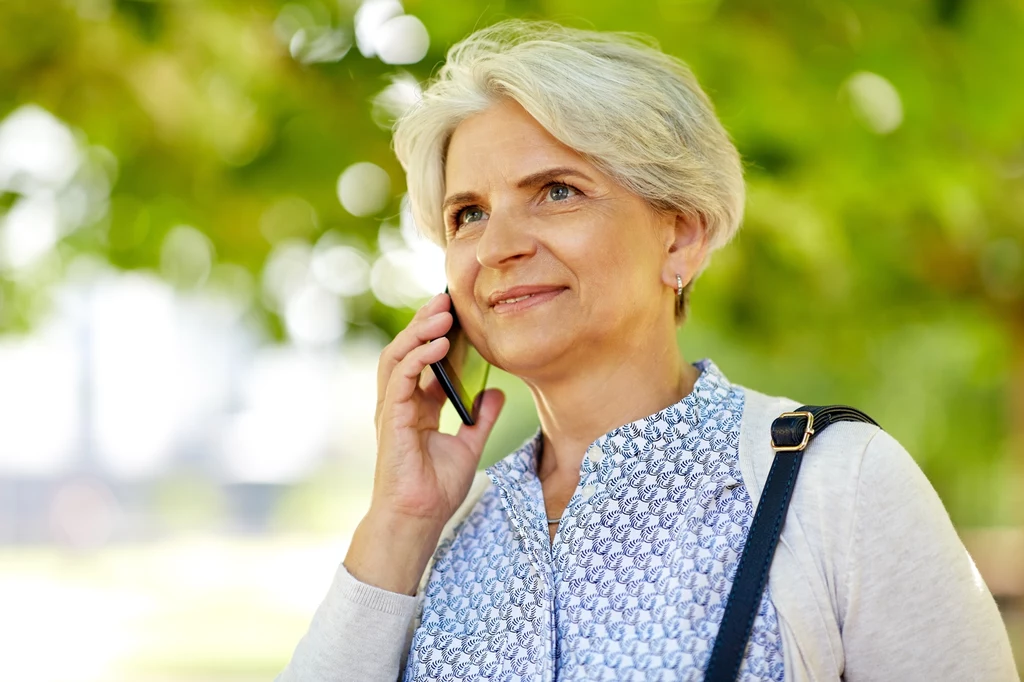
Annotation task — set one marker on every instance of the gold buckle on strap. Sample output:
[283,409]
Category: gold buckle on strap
[808,432]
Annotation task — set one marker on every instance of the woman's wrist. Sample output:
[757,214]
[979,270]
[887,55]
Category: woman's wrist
[391,552]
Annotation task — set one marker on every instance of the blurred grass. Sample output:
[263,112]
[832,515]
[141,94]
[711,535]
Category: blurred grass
[192,608]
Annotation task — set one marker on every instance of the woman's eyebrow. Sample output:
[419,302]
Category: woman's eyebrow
[532,180]
[460,198]
[547,175]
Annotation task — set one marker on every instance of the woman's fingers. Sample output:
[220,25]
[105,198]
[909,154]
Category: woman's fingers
[406,376]
[432,321]
[424,324]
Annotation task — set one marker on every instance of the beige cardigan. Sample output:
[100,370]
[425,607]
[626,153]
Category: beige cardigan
[870,581]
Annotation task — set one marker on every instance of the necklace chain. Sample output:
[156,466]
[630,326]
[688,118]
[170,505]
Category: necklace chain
[540,453]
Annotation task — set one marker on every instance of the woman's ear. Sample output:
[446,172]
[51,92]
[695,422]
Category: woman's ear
[687,242]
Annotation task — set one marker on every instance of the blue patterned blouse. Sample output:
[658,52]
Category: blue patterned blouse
[634,584]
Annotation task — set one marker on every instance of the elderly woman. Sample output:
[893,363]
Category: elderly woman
[579,182]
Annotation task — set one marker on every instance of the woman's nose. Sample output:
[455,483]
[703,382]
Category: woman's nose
[505,238]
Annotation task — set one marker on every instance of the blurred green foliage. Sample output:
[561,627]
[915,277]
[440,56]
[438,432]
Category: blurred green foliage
[881,263]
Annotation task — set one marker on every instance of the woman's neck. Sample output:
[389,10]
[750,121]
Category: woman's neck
[577,409]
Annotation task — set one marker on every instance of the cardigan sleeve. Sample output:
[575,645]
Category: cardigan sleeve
[359,632]
[362,632]
[916,607]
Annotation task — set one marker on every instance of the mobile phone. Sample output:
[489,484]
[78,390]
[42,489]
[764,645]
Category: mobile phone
[462,372]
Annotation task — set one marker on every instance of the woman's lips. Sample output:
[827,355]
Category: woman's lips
[530,302]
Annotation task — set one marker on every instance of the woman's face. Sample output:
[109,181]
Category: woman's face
[524,210]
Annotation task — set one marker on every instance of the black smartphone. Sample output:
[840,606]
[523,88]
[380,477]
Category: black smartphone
[462,372]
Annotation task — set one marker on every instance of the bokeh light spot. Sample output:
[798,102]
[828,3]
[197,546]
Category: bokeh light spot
[370,17]
[364,189]
[341,269]
[186,257]
[875,101]
[402,40]
[394,100]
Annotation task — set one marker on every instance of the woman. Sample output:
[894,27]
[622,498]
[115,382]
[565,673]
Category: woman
[579,182]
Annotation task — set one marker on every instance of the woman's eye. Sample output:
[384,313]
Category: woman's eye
[469,215]
[560,192]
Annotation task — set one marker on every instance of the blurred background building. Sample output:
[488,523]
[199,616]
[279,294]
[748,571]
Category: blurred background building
[205,243]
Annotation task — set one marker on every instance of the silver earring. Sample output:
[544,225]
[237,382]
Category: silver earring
[679,286]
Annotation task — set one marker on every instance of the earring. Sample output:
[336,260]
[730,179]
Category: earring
[679,286]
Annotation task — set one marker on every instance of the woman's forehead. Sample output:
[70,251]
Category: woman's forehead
[505,144]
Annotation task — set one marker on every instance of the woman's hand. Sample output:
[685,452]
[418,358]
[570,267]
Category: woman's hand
[422,475]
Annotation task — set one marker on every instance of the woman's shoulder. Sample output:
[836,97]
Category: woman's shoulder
[853,476]
[839,481]
[832,461]
[868,548]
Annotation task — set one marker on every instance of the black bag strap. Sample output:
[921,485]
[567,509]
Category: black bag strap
[791,433]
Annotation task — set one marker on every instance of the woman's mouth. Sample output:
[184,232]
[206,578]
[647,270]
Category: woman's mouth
[515,304]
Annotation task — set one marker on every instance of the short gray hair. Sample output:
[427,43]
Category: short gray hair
[636,113]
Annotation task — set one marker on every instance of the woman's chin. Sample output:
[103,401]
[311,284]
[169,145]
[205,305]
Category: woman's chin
[526,356]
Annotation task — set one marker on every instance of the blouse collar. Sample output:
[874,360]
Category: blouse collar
[663,429]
